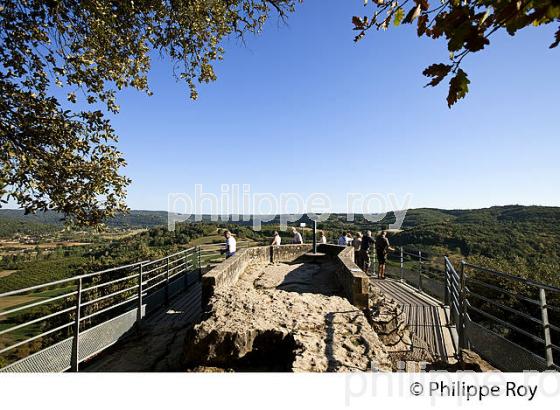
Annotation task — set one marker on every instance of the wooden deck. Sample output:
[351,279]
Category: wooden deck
[425,316]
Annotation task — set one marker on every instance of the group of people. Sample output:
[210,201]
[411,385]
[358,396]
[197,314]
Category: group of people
[297,238]
[362,245]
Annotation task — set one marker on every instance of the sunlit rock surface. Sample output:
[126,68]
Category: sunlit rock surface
[285,318]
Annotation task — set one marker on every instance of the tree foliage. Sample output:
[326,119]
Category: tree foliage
[466,26]
[66,160]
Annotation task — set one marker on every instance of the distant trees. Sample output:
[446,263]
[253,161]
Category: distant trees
[466,25]
[66,160]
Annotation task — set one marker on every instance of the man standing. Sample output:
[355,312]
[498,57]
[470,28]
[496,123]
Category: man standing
[343,240]
[231,244]
[298,240]
[322,237]
[367,243]
[357,244]
[382,247]
[276,241]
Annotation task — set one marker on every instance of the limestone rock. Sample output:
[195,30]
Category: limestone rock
[255,325]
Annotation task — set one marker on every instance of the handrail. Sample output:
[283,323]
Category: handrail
[509,309]
[507,292]
[515,278]
[71,279]
[39,303]
[111,293]
[505,323]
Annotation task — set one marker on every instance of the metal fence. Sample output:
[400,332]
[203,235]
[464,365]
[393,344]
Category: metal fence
[508,319]
[213,254]
[512,322]
[55,326]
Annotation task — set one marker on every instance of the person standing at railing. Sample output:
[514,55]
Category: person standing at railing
[276,240]
[298,240]
[382,248]
[343,240]
[367,243]
[231,244]
[322,238]
[357,244]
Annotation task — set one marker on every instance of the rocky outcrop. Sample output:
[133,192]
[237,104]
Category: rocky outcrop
[389,321]
[278,318]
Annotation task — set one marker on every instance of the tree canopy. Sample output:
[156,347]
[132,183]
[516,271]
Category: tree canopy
[466,26]
[65,159]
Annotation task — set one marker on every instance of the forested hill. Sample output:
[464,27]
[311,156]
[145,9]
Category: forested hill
[524,240]
[537,219]
[520,239]
[134,219]
[507,231]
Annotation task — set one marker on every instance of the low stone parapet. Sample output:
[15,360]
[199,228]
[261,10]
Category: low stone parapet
[351,278]
[227,272]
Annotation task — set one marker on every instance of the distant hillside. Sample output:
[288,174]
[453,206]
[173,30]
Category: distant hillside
[519,239]
[135,219]
[507,231]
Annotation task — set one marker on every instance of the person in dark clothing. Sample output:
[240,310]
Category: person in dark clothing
[382,248]
[367,243]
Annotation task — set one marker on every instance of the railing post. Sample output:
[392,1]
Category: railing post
[402,264]
[446,282]
[167,281]
[140,291]
[187,271]
[461,317]
[420,271]
[546,329]
[199,264]
[76,341]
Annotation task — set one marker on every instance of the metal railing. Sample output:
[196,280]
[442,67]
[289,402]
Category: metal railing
[213,254]
[58,325]
[512,322]
[509,319]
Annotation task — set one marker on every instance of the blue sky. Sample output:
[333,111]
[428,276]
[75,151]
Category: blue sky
[302,108]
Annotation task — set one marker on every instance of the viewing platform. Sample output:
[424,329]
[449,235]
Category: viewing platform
[282,308]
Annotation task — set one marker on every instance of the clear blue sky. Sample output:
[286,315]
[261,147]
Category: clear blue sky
[302,108]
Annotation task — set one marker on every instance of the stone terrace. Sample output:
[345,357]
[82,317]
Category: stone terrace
[283,309]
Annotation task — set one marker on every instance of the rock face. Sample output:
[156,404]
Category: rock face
[389,321]
[284,318]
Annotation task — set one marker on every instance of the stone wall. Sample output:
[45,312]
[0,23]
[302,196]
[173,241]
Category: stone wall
[227,272]
[289,253]
[351,278]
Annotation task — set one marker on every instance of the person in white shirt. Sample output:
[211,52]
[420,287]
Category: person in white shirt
[298,240]
[276,241]
[231,244]
[322,238]
[343,240]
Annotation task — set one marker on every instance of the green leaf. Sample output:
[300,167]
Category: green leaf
[398,17]
[458,87]
[438,72]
